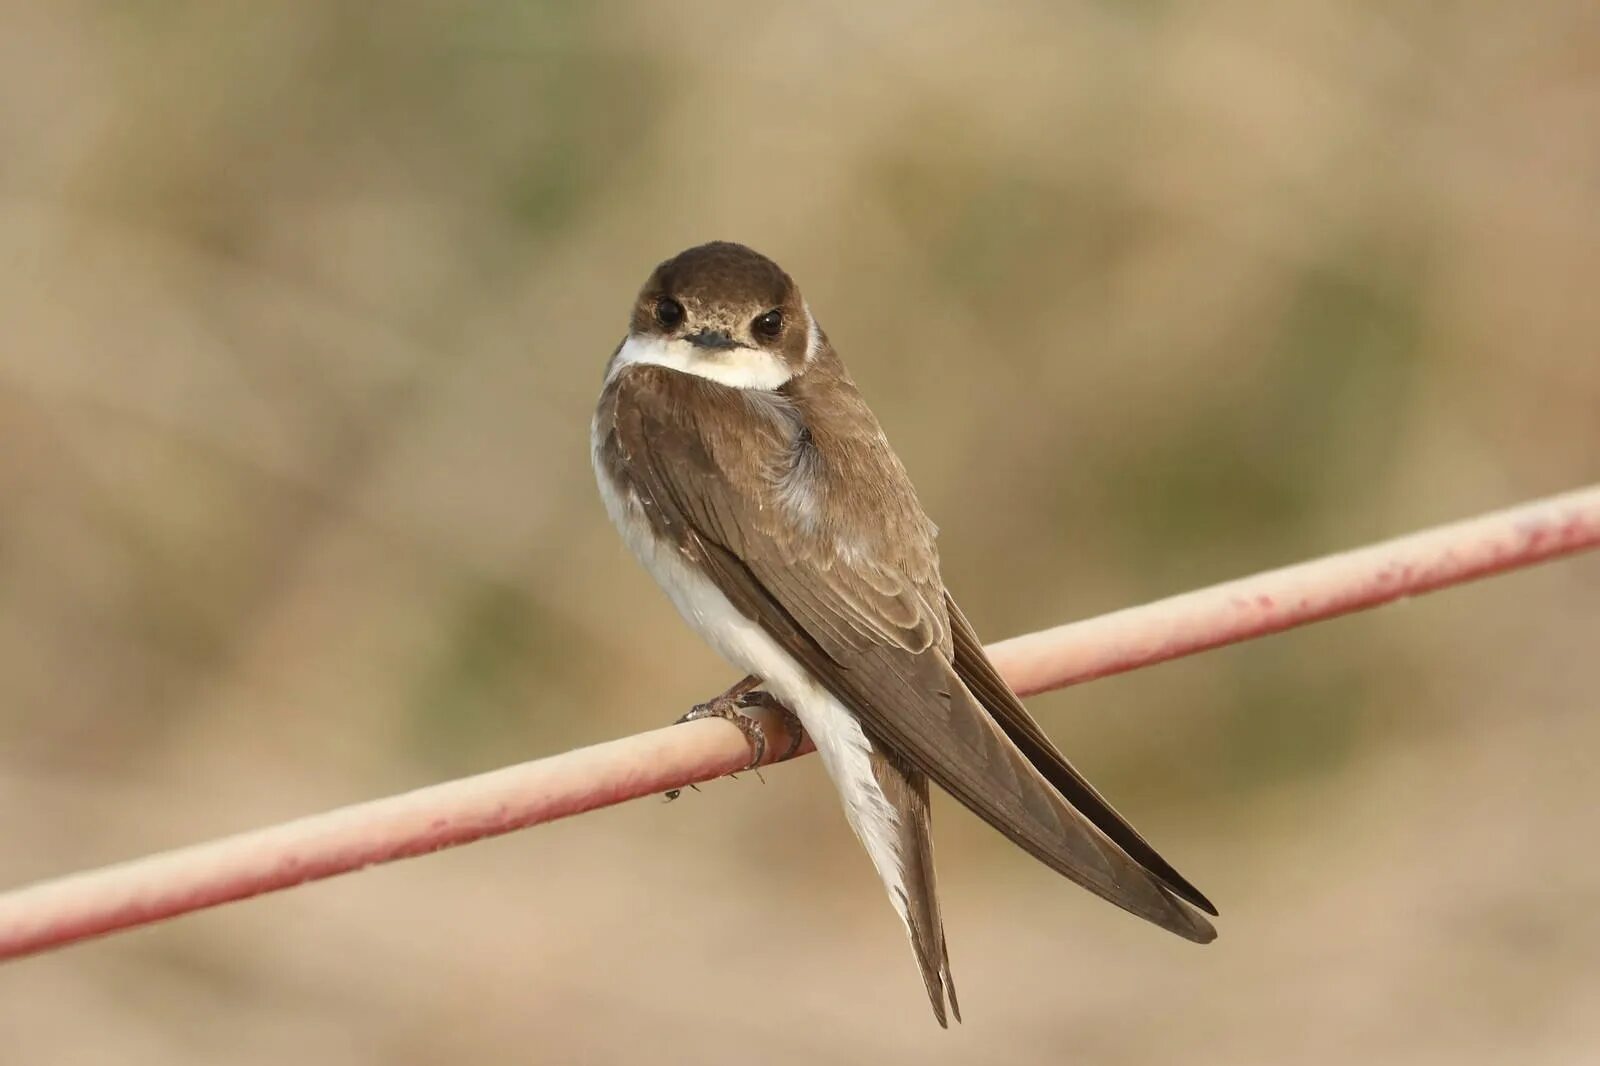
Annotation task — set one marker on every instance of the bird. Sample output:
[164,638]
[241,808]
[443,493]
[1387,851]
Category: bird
[743,468]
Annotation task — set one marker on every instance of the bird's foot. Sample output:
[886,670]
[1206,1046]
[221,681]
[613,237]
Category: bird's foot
[792,726]
[733,708]
[730,708]
[732,705]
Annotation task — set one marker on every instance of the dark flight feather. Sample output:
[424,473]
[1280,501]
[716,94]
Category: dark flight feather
[851,590]
[981,678]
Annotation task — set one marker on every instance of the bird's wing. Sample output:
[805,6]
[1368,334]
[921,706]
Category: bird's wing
[984,682]
[851,609]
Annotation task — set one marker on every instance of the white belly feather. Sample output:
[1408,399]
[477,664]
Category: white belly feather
[833,729]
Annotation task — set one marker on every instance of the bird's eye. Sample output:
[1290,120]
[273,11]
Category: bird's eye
[669,312]
[770,324]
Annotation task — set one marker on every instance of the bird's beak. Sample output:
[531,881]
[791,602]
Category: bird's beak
[715,339]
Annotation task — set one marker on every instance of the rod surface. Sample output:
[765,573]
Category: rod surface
[73,908]
[1277,600]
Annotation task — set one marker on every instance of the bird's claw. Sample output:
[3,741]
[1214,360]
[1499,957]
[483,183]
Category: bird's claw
[732,708]
[792,727]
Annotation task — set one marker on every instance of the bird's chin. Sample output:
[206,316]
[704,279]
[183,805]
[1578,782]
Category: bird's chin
[738,367]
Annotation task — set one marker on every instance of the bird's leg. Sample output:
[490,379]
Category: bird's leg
[731,706]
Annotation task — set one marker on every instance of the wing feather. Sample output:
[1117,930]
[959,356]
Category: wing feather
[974,668]
[859,603]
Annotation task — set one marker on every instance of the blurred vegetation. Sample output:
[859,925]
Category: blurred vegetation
[305,310]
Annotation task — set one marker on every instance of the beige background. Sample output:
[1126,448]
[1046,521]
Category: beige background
[304,309]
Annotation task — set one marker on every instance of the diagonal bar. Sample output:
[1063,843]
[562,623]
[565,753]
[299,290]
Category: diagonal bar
[63,911]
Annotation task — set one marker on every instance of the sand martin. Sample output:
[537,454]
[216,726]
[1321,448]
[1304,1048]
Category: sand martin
[746,472]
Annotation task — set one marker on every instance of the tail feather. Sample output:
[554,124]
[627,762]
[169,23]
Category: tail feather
[906,789]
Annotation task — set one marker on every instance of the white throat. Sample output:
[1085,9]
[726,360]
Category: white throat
[740,368]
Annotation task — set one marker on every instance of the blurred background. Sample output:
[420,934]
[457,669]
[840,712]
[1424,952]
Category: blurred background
[305,307]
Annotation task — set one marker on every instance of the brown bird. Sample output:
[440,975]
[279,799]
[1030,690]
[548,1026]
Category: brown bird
[745,471]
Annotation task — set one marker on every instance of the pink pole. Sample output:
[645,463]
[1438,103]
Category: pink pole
[55,913]
[1305,592]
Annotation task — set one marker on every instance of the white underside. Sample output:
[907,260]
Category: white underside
[833,729]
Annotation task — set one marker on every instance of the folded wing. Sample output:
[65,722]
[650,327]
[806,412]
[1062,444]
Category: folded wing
[861,607]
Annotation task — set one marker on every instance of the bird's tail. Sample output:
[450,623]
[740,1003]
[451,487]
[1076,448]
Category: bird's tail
[906,789]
